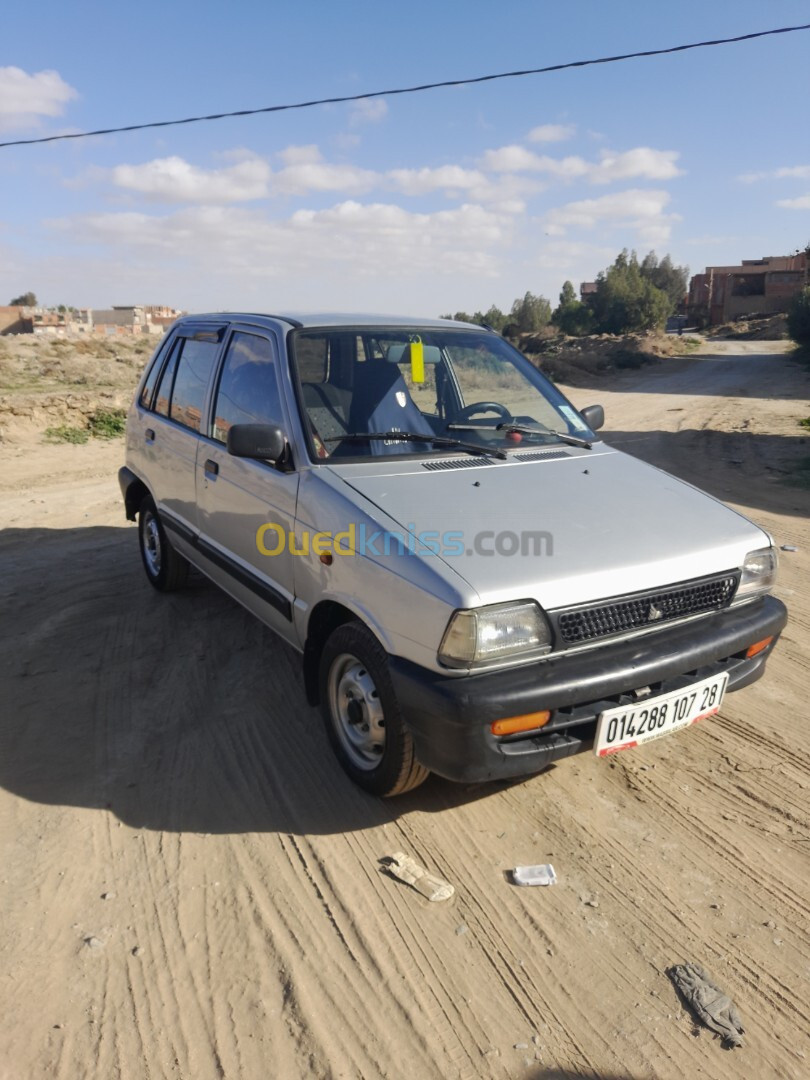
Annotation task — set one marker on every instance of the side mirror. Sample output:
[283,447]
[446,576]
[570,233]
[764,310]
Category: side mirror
[594,416]
[263,441]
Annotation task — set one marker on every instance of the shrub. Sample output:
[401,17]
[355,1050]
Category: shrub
[108,423]
[798,320]
[67,434]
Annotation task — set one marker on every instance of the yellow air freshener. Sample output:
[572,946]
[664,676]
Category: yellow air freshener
[417,361]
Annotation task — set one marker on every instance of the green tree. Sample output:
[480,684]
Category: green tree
[568,294]
[572,316]
[626,300]
[798,320]
[531,313]
[667,277]
[493,317]
[27,299]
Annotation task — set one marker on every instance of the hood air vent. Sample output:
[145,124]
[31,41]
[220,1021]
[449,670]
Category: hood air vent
[457,463]
[541,455]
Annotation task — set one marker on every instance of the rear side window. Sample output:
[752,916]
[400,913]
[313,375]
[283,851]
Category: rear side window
[164,390]
[194,363]
[248,387]
[152,377]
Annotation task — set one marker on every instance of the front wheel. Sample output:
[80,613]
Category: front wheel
[362,715]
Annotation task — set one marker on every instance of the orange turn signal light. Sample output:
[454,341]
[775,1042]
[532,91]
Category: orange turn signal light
[752,650]
[513,724]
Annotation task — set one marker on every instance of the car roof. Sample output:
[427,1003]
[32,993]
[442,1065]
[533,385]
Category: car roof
[328,319]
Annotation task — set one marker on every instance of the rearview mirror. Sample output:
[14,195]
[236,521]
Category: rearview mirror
[594,416]
[401,354]
[263,441]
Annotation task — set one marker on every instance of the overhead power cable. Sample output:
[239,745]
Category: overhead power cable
[409,89]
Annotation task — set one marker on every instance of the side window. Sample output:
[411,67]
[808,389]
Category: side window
[196,361]
[164,390]
[152,377]
[248,387]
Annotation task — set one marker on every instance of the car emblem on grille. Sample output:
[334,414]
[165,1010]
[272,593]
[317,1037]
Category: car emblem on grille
[654,613]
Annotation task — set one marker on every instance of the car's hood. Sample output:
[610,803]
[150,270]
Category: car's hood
[588,525]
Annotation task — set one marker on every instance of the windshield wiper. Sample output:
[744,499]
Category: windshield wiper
[523,429]
[415,436]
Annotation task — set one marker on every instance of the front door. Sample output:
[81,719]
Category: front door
[246,508]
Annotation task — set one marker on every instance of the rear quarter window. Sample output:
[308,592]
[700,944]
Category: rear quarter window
[148,389]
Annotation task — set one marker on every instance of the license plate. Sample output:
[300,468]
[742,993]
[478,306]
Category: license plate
[631,725]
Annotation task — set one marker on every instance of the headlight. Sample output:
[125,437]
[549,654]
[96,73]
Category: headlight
[758,574]
[502,631]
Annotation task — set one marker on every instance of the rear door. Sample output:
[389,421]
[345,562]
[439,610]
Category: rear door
[238,496]
[171,429]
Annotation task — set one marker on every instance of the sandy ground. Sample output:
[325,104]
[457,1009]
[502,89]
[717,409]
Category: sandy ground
[190,886]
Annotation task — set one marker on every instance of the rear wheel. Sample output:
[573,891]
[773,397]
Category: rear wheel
[165,568]
[362,715]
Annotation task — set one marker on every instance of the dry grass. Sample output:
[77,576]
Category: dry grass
[31,364]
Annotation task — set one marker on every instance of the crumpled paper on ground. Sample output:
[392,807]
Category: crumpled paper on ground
[708,1002]
[403,867]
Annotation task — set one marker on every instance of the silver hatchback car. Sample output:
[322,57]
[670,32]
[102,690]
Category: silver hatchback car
[478,585]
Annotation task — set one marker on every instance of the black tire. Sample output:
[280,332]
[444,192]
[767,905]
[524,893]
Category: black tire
[165,568]
[362,715]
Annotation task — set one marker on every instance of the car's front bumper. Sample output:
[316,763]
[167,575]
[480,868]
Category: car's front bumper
[450,717]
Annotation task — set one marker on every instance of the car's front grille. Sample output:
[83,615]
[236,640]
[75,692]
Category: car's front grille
[645,610]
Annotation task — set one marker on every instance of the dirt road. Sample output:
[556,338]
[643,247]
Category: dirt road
[190,888]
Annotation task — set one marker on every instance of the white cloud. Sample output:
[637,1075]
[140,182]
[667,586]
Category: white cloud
[801,203]
[322,176]
[173,179]
[443,178]
[505,194]
[577,259]
[551,133]
[25,98]
[514,158]
[378,240]
[790,172]
[637,209]
[306,171]
[300,155]
[367,111]
[642,162]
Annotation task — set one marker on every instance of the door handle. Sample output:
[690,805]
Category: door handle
[212,467]
[149,435]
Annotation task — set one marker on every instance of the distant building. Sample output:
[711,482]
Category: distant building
[755,287]
[586,289]
[15,320]
[55,323]
[134,319]
[72,322]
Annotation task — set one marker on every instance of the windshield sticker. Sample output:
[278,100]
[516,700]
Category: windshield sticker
[572,418]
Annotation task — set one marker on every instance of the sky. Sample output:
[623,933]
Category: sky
[443,201]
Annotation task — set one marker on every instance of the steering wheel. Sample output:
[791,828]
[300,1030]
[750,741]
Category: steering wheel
[483,406]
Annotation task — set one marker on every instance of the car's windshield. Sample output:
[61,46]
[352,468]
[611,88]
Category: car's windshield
[467,384]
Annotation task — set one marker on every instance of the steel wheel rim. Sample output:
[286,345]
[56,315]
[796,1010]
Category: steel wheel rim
[357,712]
[152,549]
